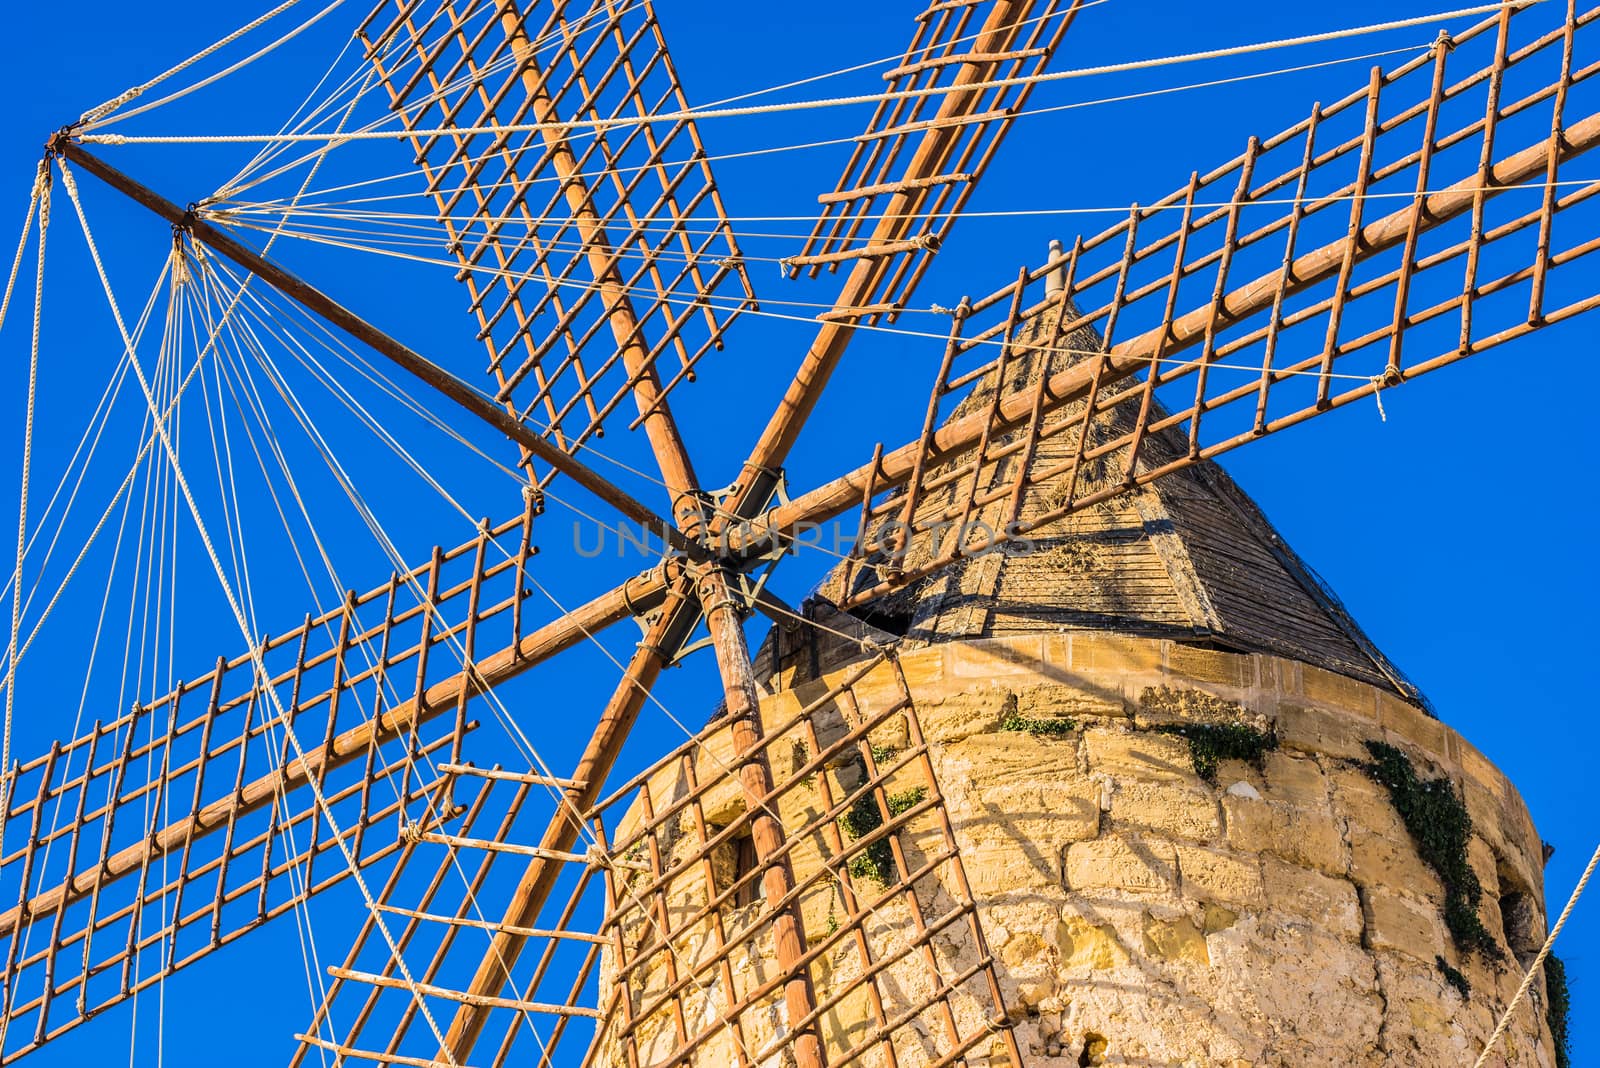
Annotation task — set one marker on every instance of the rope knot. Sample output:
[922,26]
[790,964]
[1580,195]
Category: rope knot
[958,313]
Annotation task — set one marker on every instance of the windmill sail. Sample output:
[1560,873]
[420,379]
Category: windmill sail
[912,170]
[657,947]
[161,835]
[598,258]
[788,884]
[1416,222]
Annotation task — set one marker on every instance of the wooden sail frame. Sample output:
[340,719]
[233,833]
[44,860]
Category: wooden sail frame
[669,907]
[571,243]
[982,444]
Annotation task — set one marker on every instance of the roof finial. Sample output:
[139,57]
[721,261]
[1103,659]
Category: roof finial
[1056,281]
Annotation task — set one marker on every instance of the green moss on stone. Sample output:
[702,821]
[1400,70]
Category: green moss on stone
[1454,977]
[1212,743]
[1558,1011]
[1043,728]
[864,817]
[1439,825]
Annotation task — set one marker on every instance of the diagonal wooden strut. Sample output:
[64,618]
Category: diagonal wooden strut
[429,373]
[711,591]
[868,275]
[1128,358]
[350,745]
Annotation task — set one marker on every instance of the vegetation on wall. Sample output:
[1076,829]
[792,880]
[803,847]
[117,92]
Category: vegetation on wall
[864,817]
[1558,1010]
[1212,743]
[1454,977]
[1050,727]
[1440,826]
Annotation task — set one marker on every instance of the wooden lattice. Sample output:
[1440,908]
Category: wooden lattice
[657,945]
[157,836]
[1398,240]
[599,261]
[921,156]
[785,885]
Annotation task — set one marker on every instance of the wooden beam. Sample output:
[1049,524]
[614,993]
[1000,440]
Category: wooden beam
[1125,359]
[678,615]
[724,617]
[759,475]
[424,370]
[350,745]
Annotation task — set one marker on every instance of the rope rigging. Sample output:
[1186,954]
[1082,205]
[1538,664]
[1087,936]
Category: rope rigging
[699,114]
[253,352]
[37,201]
[252,642]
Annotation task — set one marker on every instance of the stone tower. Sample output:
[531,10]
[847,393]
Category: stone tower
[1140,790]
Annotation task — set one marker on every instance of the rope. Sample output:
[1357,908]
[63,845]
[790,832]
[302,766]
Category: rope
[41,201]
[221,74]
[418,105]
[40,194]
[228,191]
[310,955]
[417,230]
[95,114]
[517,736]
[1538,962]
[808,105]
[897,57]
[251,641]
[688,301]
[231,216]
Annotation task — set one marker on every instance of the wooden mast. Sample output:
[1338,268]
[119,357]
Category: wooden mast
[724,617]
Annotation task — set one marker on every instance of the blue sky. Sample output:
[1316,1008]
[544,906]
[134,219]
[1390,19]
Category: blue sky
[1459,531]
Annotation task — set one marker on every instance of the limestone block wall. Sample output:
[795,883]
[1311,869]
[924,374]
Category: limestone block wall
[1139,914]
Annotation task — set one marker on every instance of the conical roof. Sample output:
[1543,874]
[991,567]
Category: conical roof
[1188,557]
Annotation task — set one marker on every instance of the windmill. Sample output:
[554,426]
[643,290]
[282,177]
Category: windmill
[573,915]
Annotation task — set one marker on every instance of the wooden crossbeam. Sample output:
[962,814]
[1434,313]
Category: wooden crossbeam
[957,112]
[430,374]
[347,746]
[1130,357]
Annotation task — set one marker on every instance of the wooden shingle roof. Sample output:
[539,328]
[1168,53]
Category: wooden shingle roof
[1188,557]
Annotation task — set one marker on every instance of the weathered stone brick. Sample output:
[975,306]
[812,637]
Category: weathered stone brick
[1330,904]
[1000,758]
[995,865]
[994,657]
[1399,923]
[1289,777]
[1378,859]
[1323,731]
[1071,702]
[1100,652]
[1139,755]
[1175,941]
[1086,945]
[960,715]
[1307,836]
[1488,815]
[1346,694]
[1139,865]
[1482,861]
[1362,801]
[1042,816]
[1213,875]
[1210,665]
[1165,807]
[1414,725]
